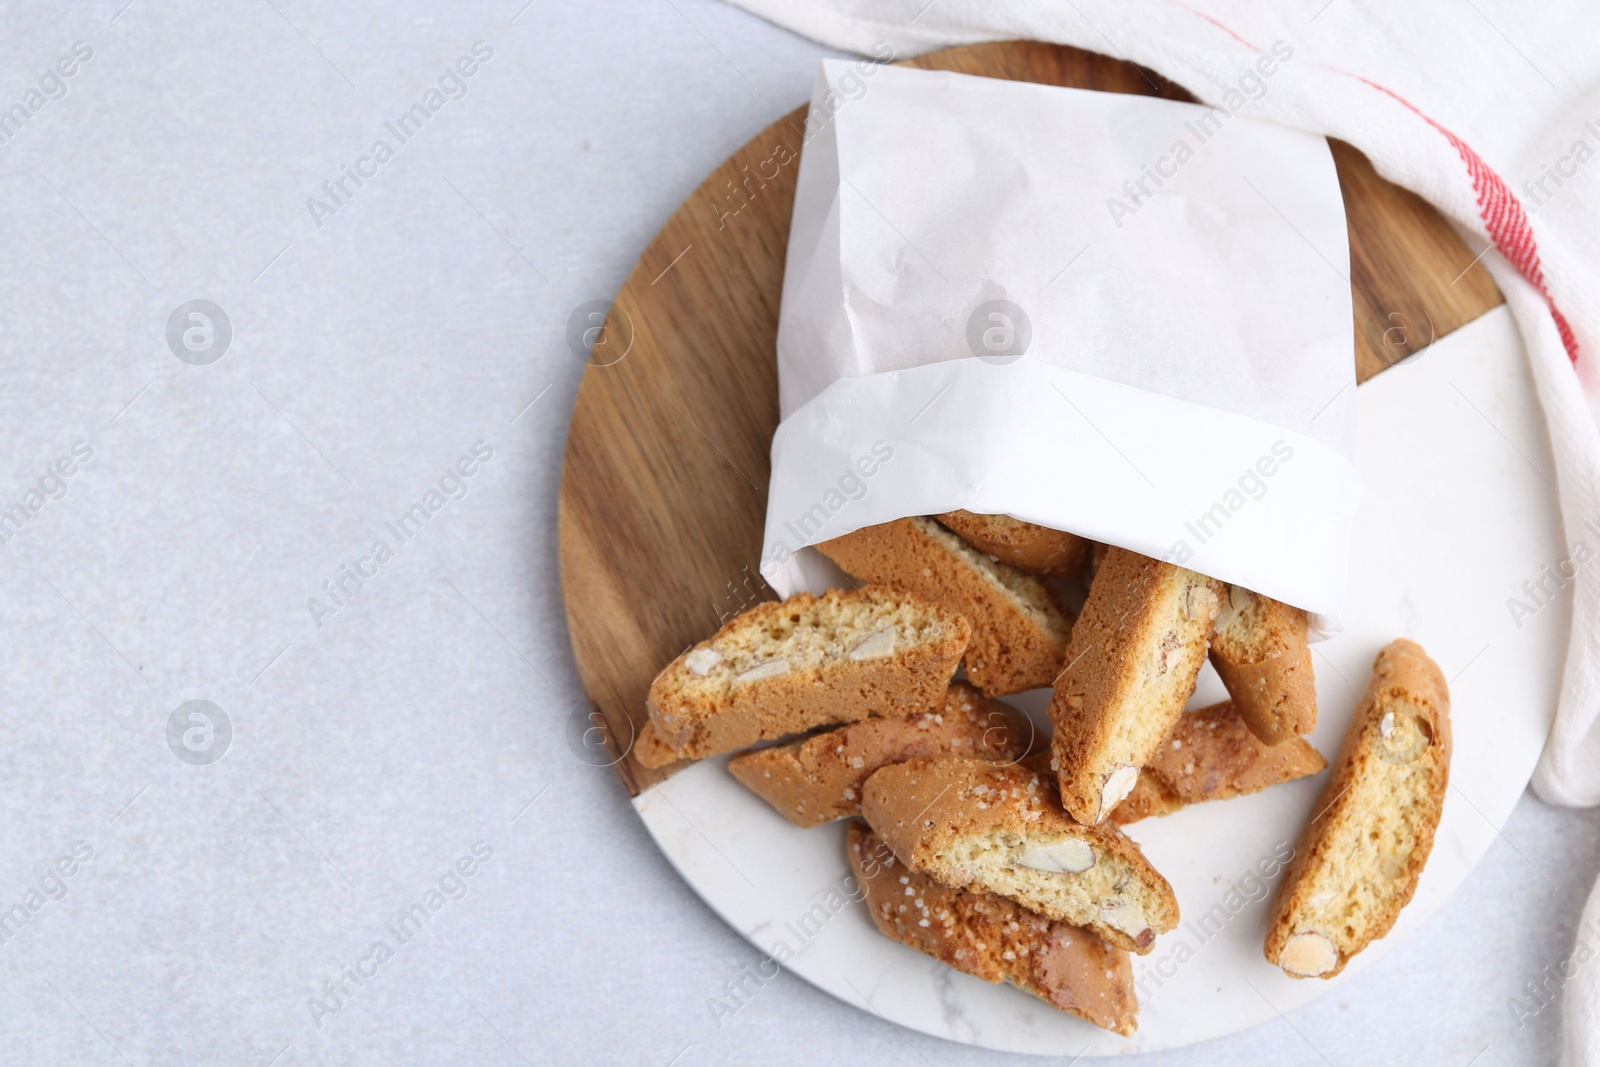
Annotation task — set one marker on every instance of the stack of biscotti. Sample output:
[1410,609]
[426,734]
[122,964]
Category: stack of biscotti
[1359,859]
[867,672]
[1001,827]
[1008,862]
[818,778]
[784,667]
[1136,650]
[994,938]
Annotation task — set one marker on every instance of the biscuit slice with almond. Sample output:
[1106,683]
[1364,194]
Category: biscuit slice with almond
[1212,755]
[783,667]
[1000,828]
[1025,545]
[994,939]
[817,779]
[1019,628]
[1260,650]
[1358,861]
[1136,649]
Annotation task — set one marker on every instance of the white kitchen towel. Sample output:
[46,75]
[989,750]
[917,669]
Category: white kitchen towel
[968,279]
[1491,115]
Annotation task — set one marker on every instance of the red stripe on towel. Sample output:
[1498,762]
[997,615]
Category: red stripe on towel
[1502,215]
[1499,208]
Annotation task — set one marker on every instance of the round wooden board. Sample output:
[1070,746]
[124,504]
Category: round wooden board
[664,485]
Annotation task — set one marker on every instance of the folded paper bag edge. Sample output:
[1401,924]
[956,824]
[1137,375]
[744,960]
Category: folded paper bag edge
[1245,501]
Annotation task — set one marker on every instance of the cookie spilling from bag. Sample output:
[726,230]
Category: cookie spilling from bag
[1135,653]
[995,845]
[819,778]
[781,668]
[1019,628]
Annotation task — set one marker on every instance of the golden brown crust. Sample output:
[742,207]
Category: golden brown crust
[1024,545]
[966,821]
[1019,628]
[1130,668]
[1212,755]
[1097,556]
[1358,861]
[699,714]
[1148,799]
[995,939]
[1260,650]
[819,778]
[650,750]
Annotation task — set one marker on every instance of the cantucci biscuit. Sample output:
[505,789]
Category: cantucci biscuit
[782,667]
[817,779]
[1130,668]
[1260,650]
[995,939]
[1019,629]
[999,827]
[1035,549]
[1358,861]
[1212,755]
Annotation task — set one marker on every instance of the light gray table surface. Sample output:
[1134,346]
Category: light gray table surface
[426,720]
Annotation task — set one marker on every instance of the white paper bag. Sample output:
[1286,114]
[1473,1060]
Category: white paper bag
[1120,316]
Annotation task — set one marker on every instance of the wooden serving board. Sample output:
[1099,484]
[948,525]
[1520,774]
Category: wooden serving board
[664,485]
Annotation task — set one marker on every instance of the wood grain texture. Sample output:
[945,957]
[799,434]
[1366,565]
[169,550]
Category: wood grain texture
[664,484]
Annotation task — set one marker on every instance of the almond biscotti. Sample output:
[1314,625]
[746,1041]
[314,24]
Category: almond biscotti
[1212,755]
[994,939]
[1024,545]
[1260,650]
[1358,861]
[1000,827]
[1019,629]
[1136,649]
[782,667]
[817,779]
